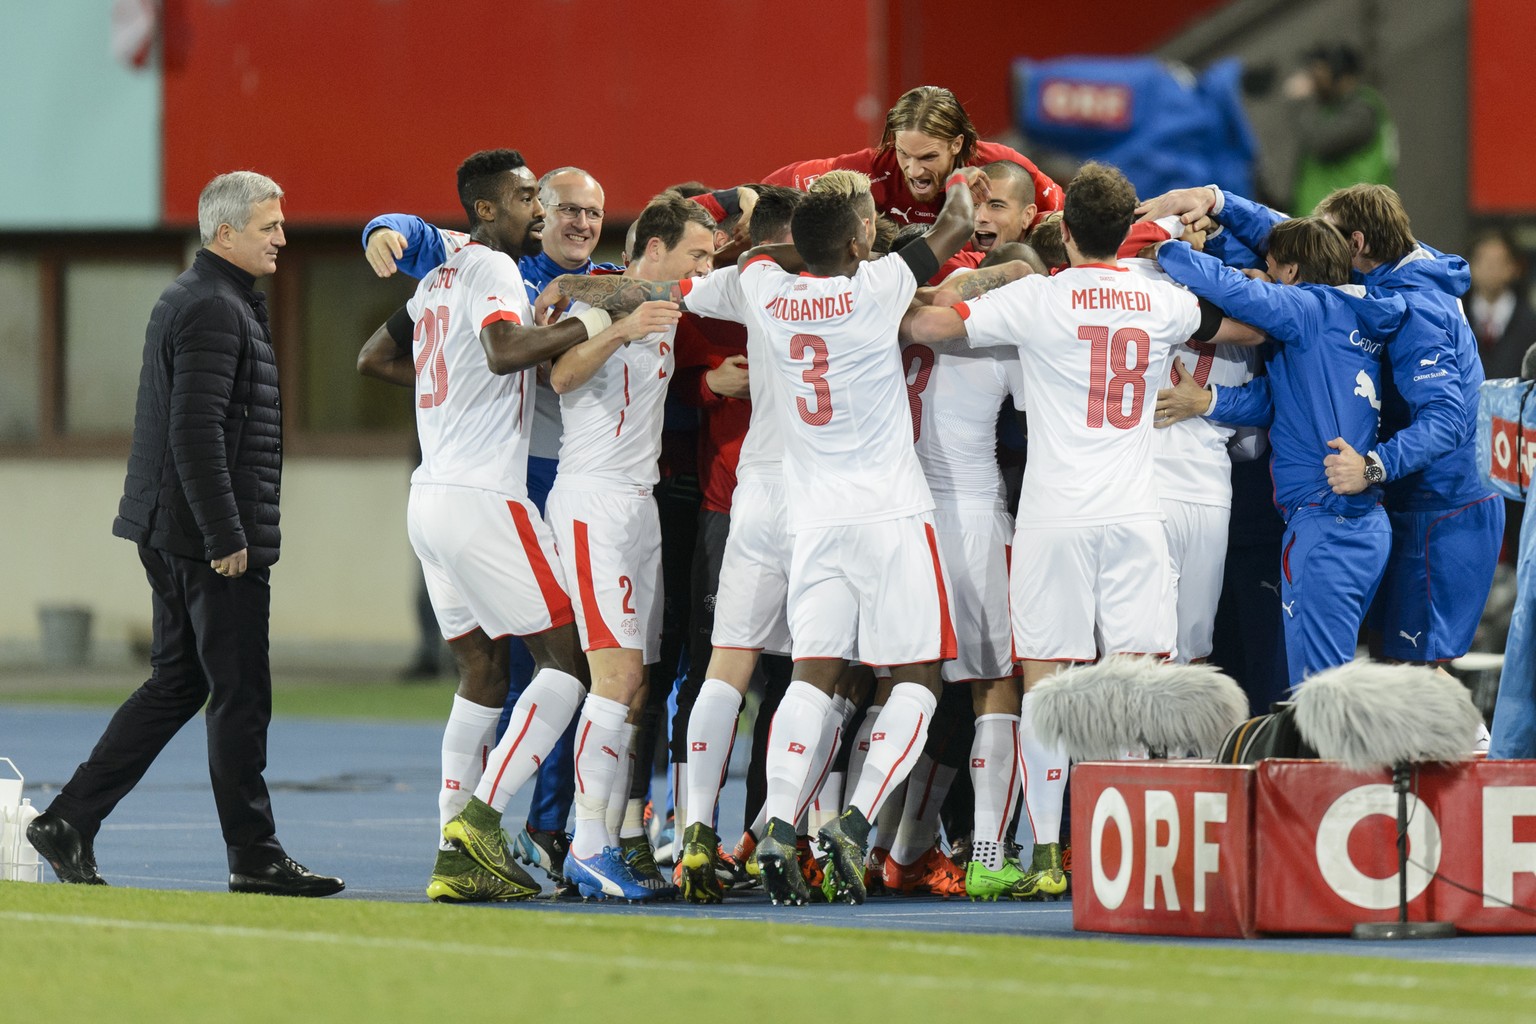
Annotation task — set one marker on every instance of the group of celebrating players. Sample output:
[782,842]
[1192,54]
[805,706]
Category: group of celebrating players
[867,534]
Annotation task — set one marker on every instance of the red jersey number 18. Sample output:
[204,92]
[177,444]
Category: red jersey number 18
[1117,363]
[799,346]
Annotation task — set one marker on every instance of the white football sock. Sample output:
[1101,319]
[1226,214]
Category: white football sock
[828,803]
[826,752]
[618,797]
[888,821]
[860,749]
[927,787]
[711,731]
[1045,778]
[894,745]
[599,734]
[995,778]
[792,741]
[538,719]
[634,816]
[466,743]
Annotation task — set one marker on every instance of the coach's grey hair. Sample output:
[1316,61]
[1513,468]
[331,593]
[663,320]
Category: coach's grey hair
[229,199]
[547,194]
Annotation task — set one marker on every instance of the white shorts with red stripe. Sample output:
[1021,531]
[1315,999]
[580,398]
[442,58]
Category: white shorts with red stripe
[1081,591]
[877,591]
[489,561]
[974,544]
[610,545]
[752,597]
[1197,547]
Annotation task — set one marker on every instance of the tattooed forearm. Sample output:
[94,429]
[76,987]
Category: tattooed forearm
[968,286]
[615,293]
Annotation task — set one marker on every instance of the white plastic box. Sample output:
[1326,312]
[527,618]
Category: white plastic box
[19,862]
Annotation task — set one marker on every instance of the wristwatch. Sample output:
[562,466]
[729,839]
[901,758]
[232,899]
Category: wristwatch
[1375,473]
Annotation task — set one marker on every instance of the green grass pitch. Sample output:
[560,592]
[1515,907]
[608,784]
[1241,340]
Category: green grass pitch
[141,955]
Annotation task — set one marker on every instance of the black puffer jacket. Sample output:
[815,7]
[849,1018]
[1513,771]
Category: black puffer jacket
[204,473]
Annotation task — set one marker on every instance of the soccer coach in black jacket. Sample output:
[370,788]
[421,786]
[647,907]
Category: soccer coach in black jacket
[201,502]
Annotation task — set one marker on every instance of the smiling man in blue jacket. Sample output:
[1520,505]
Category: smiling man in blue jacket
[1446,525]
[1323,387]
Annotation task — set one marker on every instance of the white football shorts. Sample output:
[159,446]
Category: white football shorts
[489,561]
[610,545]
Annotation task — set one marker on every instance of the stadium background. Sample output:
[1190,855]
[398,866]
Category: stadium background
[361,106]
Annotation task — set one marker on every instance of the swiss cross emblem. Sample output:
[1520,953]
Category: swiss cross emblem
[978,762]
[797,748]
[876,737]
[450,783]
[698,745]
[1053,775]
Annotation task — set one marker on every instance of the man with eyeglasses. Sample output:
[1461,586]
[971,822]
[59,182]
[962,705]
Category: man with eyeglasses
[574,201]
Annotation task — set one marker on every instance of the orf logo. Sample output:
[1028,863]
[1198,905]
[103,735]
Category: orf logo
[1336,859]
[1510,461]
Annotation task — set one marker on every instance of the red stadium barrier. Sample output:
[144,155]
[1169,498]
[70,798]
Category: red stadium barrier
[1299,847]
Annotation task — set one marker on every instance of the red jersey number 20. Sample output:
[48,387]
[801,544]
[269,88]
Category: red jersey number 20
[1117,363]
[431,364]
[800,346]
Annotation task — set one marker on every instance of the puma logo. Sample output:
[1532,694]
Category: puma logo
[1430,362]
[1288,608]
[1366,389]
[1271,586]
[1411,639]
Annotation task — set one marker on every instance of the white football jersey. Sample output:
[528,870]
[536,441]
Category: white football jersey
[719,295]
[1094,342]
[1192,460]
[612,423]
[848,455]
[955,394]
[473,424]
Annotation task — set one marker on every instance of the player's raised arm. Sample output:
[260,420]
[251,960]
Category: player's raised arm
[964,287]
[957,219]
[581,361]
[386,355]
[614,293]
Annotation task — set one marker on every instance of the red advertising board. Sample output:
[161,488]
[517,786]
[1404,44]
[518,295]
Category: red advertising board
[1326,854]
[1162,848]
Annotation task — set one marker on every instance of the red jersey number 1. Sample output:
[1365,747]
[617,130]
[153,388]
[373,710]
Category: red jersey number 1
[816,377]
[431,364]
[1114,367]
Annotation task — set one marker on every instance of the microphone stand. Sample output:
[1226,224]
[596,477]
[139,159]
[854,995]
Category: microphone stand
[1403,928]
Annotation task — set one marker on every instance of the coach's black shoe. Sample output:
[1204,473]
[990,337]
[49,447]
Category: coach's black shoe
[61,845]
[286,877]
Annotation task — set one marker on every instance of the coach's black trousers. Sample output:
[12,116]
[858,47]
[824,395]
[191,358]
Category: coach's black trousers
[210,645]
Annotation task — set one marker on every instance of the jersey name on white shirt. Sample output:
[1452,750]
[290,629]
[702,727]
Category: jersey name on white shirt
[718,295]
[955,394]
[612,423]
[473,424]
[1094,343]
[1192,460]
[842,396]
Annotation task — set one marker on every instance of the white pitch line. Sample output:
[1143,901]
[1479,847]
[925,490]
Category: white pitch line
[1367,1010]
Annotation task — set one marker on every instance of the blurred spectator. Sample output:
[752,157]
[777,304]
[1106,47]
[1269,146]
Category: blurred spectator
[1497,304]
[1344,135]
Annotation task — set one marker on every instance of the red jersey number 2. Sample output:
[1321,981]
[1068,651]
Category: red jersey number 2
[431,364]
[1116,364]
[799,346]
